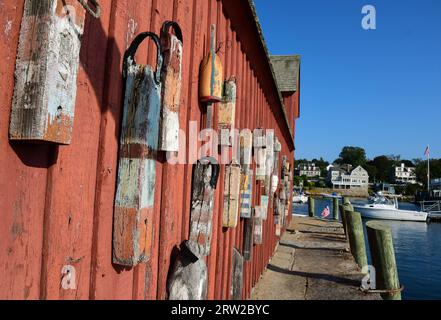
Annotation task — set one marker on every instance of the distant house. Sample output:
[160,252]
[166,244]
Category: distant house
[309,170]
[384,187]
[344,177]
[435,185]
[405,174]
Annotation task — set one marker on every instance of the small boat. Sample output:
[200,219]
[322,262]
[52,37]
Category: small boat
[299,197]
[333,195]
[384,208]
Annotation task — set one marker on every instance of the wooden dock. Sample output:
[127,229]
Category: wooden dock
[312,262]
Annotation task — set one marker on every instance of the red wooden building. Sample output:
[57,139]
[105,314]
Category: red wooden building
[57,202]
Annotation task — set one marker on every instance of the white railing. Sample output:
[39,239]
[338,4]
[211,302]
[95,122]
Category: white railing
[431,206]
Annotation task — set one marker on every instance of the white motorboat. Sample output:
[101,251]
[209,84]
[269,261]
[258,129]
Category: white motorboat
[384,208]
[299,197]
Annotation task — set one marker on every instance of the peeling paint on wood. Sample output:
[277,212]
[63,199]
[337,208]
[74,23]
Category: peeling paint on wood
[259,140]
[232,184]
[269,164]
[227,111]
[188,280]
[246,147]
[264,204]
[274,184]
[246,196]
[205,177]
[43,106]
[237,275]
[133,216]
[258,225]
[171,87]
[80,187]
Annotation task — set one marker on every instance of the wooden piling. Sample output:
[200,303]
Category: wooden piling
[343,219]
[383,259]
[346,206]
[311,206]
[335,210]
[354,227]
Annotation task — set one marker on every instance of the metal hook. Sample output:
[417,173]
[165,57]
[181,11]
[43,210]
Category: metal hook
[130,53]
[97,12]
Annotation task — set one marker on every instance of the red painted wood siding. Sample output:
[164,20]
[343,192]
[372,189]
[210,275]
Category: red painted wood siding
[56,203]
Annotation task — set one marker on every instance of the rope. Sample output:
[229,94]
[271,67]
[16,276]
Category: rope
[390,291]
[97,12]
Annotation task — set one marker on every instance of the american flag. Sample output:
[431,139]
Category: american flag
[427,152]
[326,212]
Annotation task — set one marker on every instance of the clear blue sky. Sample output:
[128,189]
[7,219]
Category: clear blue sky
[378,89]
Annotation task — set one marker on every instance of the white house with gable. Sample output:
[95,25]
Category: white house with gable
[405,174]
[344,177]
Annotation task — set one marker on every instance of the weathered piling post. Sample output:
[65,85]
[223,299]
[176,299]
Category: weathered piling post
[311,206]
[343,219]
[356,237]
[335,209]
[383,259]
[346,201]
[347,206]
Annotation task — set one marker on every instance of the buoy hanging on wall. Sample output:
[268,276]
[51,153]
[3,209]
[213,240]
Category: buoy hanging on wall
[171,77]
[245,156]
[205,177]
[189,276]
[264,203]
[259,141]
[246,148]
[248,236]
[133,216]
[246,193]
[275,179]
[236,275]
[231,195]
[43,106]
[269,160]
[258,225]
[211,79]
[227,111]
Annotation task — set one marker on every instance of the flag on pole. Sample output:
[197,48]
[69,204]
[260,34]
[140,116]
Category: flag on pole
[427,152]
[326,212]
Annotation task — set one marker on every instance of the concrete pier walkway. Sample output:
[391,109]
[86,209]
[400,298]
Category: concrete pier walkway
[312,262]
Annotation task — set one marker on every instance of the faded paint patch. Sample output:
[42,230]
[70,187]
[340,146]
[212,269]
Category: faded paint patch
[8,27]
[136,184]
[189,278]
[227,109]
[231,195]
[171,93]
[205,178]
[46,74]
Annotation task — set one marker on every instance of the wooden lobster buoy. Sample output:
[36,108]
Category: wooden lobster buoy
[171,77]
[133,216]
[48,55]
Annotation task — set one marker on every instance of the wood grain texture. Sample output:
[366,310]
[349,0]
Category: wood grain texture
[59,214]
[43,108]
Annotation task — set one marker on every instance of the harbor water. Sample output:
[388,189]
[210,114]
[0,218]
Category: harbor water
[417,249]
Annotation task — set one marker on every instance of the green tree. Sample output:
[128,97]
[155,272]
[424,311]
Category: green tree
[354,156]
[322,164]
[372,171]
[421,170]
[385,166]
